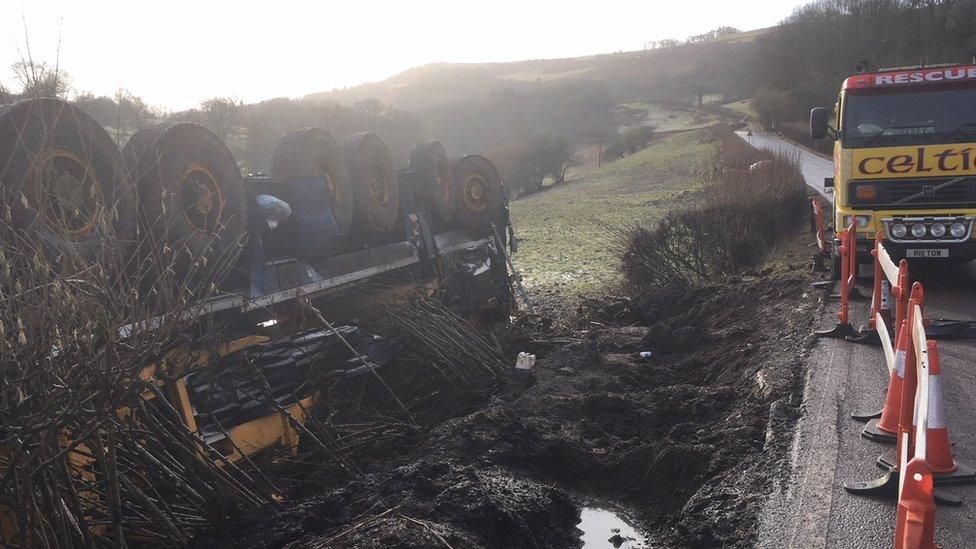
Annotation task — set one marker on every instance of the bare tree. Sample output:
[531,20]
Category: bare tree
[222,114]
[38,79]
[556,154]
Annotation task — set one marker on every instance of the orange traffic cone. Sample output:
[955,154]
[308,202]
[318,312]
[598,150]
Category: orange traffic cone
[915,522]
[938,446]
[885,429]
[939,449]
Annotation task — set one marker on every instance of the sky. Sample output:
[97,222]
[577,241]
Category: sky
[177,53]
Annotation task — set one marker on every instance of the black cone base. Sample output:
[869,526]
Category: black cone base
[964,474]
[864,417]
[951,329]
[873,433]
[840,331]
[855,295]
[866,336]
[886,486]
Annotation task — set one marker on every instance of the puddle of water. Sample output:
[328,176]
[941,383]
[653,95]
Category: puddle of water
[603,528]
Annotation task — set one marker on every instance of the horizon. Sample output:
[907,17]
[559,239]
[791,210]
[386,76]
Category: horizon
[269,55]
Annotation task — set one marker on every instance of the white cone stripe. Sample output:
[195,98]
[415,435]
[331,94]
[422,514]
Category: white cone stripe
[885,295]
[900,362]
[937,407]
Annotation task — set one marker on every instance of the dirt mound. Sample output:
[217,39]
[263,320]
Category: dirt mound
[687,439]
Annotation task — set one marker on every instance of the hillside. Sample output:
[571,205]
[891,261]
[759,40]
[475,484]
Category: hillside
[435,84]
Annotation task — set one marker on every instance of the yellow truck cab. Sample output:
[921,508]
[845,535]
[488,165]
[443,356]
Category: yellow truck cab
[905,160]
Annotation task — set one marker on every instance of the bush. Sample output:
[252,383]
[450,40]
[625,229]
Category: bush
[525,166]
[738,215]
[628,142]
[773,106]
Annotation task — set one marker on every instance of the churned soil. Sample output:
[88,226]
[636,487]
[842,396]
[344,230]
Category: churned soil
[689,441]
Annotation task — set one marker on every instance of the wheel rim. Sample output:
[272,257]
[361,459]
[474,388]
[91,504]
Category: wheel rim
[201,198]
[65,192]
[378,184]
[335,193]
[475,194]
[442,184]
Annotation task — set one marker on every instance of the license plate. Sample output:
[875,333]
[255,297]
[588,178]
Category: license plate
[922,253]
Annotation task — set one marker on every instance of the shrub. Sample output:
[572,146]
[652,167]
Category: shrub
[525,166]
[628,142]
[739,213]
[773,106]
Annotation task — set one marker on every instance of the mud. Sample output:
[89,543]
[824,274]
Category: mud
[688,442]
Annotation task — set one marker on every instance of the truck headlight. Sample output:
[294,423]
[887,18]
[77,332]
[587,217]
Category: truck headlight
[938,230]
[899,230]
[957,230]
[918,230]
[860,221]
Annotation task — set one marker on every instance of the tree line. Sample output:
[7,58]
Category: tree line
[803,64]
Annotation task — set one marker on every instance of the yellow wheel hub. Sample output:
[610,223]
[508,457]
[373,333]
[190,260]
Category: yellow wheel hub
[201,198]
[322,170]
[378,184]
[65,193]
[442,184]
[475,193]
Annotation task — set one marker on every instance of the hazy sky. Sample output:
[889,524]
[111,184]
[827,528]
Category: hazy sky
[175,53]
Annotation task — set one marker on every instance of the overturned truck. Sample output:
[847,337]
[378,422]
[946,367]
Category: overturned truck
[167,237]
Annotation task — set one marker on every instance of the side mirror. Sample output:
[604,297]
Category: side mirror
[818,123]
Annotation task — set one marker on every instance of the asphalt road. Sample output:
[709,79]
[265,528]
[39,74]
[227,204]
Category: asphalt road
[814,167]
[811,509]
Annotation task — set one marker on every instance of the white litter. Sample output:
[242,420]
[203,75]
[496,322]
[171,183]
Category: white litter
[525,361]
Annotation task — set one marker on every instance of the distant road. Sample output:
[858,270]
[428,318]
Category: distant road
[813,167]
[812,510]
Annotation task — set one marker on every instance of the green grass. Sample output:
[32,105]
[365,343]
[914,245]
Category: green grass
[666,119]
[741,107]
[565,231]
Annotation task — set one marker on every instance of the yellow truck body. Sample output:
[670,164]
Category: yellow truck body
[905,159]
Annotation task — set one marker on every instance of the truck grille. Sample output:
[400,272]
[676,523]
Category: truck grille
[917,193]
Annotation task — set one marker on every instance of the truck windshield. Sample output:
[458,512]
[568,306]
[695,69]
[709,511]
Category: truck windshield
[910,117]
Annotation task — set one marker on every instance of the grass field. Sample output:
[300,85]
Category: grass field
[566,231]
[666,119]
[741,107]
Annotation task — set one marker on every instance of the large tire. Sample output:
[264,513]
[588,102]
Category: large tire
[191,201]
[478,192]
[432,178]
[313,152]
[51,150]
[374,181]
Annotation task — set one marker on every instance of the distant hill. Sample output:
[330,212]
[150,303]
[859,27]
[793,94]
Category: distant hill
[631,73]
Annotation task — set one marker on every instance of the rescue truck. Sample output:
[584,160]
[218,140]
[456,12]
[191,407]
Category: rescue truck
[905,160]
